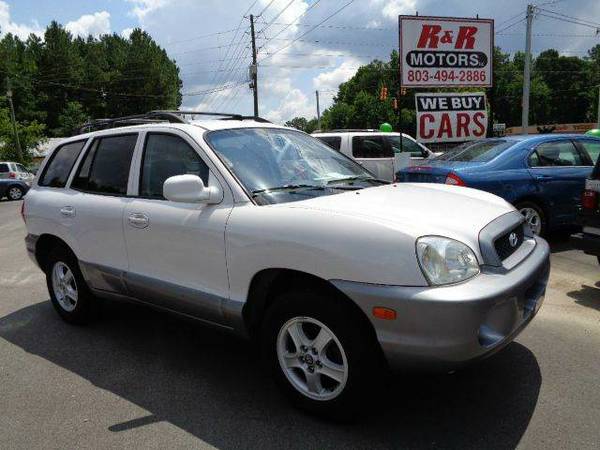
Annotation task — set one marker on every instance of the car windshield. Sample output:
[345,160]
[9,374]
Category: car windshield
[479,151]
[276,159]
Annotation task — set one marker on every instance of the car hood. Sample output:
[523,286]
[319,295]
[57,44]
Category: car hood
[416,209]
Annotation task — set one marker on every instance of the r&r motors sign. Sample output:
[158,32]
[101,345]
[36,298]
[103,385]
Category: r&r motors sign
[445,51]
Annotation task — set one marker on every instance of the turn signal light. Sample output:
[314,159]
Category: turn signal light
[384,313]
[589,200]
[455,180]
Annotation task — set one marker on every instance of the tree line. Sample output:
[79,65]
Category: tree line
[61,81]
[564,89]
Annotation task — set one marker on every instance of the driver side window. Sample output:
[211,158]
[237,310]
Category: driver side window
[167,155]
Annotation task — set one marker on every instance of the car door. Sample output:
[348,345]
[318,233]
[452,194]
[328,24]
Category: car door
[375,154]
[99,195]
[176,250]
[559,170]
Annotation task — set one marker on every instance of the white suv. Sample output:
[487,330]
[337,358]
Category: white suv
[269,233]
[383,154]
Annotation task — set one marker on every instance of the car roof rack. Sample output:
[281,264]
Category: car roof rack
[159,116]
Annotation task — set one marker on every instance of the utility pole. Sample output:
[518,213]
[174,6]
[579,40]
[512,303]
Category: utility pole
[527,70]
[254,67]
[318,111]
[598,105]
[14,122]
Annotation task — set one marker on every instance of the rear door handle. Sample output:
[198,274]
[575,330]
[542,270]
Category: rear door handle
[67,211]
[138,220]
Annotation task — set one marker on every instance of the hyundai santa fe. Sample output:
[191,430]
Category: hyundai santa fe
[268,233]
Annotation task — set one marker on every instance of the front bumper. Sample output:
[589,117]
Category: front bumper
[445,327]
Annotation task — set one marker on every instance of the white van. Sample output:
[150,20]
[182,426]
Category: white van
[379,152]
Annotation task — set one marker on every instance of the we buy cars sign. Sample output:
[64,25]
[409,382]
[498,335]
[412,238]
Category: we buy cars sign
[452,117]
[445,51]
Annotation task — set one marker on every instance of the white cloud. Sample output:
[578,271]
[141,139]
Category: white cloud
[94,24]
[126,32]
[142,8]
[20,30]
[333,78]
[392,8]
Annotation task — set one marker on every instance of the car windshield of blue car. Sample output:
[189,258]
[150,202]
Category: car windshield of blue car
[481,151]
[267,160]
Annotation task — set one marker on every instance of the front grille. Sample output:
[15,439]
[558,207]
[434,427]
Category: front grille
[505,246]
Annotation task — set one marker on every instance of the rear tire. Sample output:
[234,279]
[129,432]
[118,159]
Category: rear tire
[322,354]
[15,193]
[534,216]
[69,292]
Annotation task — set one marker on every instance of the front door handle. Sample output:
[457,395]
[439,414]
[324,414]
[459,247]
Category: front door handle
[67,211]
[138,220]
[543,177]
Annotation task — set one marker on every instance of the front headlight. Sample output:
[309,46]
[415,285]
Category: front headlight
[445,261]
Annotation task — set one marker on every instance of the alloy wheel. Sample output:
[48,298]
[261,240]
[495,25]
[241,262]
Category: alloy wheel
[312,358]
[64,286]
[533,219]
[15,193]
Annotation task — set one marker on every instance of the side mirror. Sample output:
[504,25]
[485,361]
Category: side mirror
[190,189]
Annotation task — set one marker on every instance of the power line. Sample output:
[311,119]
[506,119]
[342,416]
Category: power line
[276,17]
[337,11]
[200,37]
[296,19]
[510,26]
[569,17]
[562,19]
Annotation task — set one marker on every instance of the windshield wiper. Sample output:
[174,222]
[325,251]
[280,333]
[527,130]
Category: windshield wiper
[363,178]
[288,187]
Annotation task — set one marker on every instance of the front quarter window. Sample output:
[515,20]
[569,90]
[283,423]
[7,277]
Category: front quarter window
[271,158]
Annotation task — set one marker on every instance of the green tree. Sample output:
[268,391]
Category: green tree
[30,135]
[70,119]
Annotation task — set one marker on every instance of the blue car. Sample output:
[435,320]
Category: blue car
[542,175]
[13,189]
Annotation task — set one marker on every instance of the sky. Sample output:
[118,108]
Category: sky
[209,39]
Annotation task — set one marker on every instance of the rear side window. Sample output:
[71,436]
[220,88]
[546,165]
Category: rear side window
[556,154]
[407,146]
[371,147]
[105,169]
[3,168]
[335,142]
[592,148]
[167,155]
[59,167]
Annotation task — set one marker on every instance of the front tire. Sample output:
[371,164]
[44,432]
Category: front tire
[15,193]
[321,353]
[69,292]
[534,216]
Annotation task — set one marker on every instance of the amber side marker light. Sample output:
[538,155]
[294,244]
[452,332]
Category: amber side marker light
[384,313]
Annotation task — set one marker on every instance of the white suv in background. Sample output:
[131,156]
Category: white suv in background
[266,232]
[383,154]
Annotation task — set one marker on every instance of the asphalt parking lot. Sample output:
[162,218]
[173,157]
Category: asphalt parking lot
[140,379]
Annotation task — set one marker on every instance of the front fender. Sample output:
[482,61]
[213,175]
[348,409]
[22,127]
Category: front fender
[326,245]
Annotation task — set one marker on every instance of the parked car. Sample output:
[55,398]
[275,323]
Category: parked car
[267,232]
[589,216]
[15,171]
[13,189]
[380,153]
[542,175]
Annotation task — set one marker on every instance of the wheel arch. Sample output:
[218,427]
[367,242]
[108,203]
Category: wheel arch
[45,244]
[267,284]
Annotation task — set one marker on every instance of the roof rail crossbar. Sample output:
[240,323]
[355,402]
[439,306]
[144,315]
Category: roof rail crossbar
[157,116]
